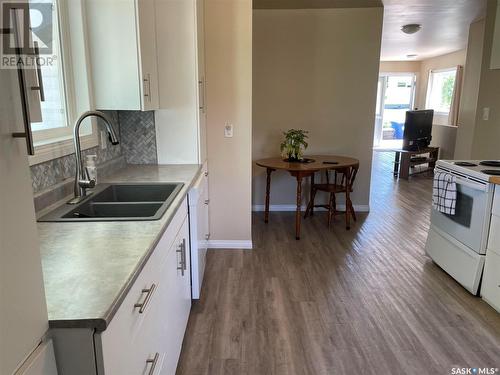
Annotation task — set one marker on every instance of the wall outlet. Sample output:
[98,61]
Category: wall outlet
[486,113]
[104,139]
[228,130]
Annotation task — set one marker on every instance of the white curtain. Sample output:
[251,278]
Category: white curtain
[455,101]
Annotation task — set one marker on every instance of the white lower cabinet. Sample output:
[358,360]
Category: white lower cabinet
[145,334]
[199,230]
[490,291]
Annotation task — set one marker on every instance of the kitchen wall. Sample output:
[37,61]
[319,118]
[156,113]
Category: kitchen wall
[316,70]
[487,132]
[228,49]
[401,67]
[470,93]
[52,180]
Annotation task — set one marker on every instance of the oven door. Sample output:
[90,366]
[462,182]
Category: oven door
[470,223]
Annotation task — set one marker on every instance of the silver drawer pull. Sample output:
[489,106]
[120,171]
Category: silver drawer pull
[207,201]
[182,250]
[207,236]
[142,306]
[180,267]
[206,174]
[153,362]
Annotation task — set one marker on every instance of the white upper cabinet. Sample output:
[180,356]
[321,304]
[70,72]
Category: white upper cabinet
[180,122]
[122,47]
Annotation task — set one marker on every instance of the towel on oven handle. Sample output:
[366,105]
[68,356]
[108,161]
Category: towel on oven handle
[444,193]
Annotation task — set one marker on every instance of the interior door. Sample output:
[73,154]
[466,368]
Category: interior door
[23,309]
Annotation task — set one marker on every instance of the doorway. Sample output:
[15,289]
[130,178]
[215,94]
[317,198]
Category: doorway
[395,96]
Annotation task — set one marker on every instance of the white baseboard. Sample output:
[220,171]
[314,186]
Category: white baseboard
[229,244]
[292,207]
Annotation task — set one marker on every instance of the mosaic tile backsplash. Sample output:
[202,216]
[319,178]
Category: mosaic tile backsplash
[138,137]
[136,131]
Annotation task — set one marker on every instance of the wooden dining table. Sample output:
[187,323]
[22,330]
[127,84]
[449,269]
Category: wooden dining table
[301,170]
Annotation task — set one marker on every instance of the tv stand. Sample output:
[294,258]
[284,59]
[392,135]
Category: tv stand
[406,159]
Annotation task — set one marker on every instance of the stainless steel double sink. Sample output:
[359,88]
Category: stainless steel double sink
[119,202]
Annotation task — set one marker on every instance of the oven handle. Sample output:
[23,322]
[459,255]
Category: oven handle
[472,185]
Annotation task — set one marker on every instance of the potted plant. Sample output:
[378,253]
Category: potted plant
[293,146]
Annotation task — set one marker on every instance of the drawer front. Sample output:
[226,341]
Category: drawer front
[496,201]
[137,313]
[490,291]
[176,302]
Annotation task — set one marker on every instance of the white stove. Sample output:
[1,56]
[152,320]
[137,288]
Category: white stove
[478,169]
[457,243]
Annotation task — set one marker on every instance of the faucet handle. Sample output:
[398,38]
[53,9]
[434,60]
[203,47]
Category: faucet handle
[87,184]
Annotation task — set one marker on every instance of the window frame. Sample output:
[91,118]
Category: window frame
[57,142]
[430,86]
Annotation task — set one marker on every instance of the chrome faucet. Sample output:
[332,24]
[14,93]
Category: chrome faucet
[82,178]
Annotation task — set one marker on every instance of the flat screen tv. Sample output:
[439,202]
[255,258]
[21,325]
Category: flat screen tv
[418,129]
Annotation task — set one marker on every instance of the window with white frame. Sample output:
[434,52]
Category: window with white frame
[64,98]
[440,90]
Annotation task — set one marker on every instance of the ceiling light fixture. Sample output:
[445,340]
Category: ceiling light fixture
[411,28]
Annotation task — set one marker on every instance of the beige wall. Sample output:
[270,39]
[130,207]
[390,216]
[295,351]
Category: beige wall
[487,133]
[229,99]
[400,67]
[470,92]
[316,70]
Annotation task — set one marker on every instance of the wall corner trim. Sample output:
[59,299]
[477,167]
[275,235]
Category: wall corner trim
[230,244]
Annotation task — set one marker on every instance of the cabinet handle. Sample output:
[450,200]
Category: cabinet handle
[207,201]
[153,362]
[38,74]
[24,94]
[207,236]
[184,252]
[201,88]
[148,81]
[181,266]
[149,292]
[206,174]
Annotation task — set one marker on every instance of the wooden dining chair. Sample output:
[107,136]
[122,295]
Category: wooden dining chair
[336,183]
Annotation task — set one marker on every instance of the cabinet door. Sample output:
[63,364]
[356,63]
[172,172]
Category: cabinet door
[200,38]
[176,300]
[147,53]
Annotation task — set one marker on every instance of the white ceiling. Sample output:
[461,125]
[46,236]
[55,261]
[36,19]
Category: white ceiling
[445,27]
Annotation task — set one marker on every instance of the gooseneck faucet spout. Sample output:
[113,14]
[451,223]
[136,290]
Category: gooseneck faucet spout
[82,178]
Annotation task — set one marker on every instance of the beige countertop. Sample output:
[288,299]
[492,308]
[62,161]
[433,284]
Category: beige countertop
[89,267]
[495,180]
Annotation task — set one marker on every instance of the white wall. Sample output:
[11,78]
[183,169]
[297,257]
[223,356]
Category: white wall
[316,70]
[228,45]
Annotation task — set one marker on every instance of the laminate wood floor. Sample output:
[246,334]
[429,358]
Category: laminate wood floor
[364,301]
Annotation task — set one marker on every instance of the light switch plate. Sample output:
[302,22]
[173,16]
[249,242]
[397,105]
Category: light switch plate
[228,130]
